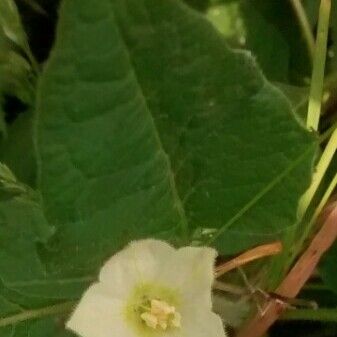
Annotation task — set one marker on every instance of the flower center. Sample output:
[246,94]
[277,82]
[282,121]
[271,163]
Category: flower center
[159,314]
[152,308]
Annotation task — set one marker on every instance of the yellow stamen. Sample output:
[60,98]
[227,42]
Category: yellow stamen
[149,319]
[161,314]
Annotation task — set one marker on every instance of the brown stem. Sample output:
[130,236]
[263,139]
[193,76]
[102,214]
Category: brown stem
[296,278]
[253,254]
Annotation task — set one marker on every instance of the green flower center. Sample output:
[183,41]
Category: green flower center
[153,308]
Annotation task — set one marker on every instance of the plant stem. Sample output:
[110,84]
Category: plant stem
[305,26]
[258,196]
[295,279]
[37,313]
[320,170]
[321,315]
[308,228]
[317,79]
[253,254]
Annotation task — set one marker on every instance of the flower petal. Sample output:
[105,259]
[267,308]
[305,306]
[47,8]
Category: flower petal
[191,270]
[97,315]
[138,262]
[202,323]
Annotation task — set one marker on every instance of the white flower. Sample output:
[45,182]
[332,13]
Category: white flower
[151,289]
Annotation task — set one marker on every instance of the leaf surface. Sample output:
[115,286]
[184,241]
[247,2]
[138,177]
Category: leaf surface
[103,174]
[240,159]
[159,130]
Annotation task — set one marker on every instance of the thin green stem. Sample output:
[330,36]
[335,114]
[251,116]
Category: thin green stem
[258,196]
[305,26]
[321,168]
[308,228]
[306,199]
[321,315]
[317,79]
[37,313]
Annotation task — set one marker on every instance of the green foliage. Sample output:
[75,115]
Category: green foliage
[206,130]
[275,42]
[18,144]
[103,174]
[144,123]
[15,78]
[11,24]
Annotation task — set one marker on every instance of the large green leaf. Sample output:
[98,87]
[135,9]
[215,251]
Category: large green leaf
[240,159]
[104,176]
[147,122]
